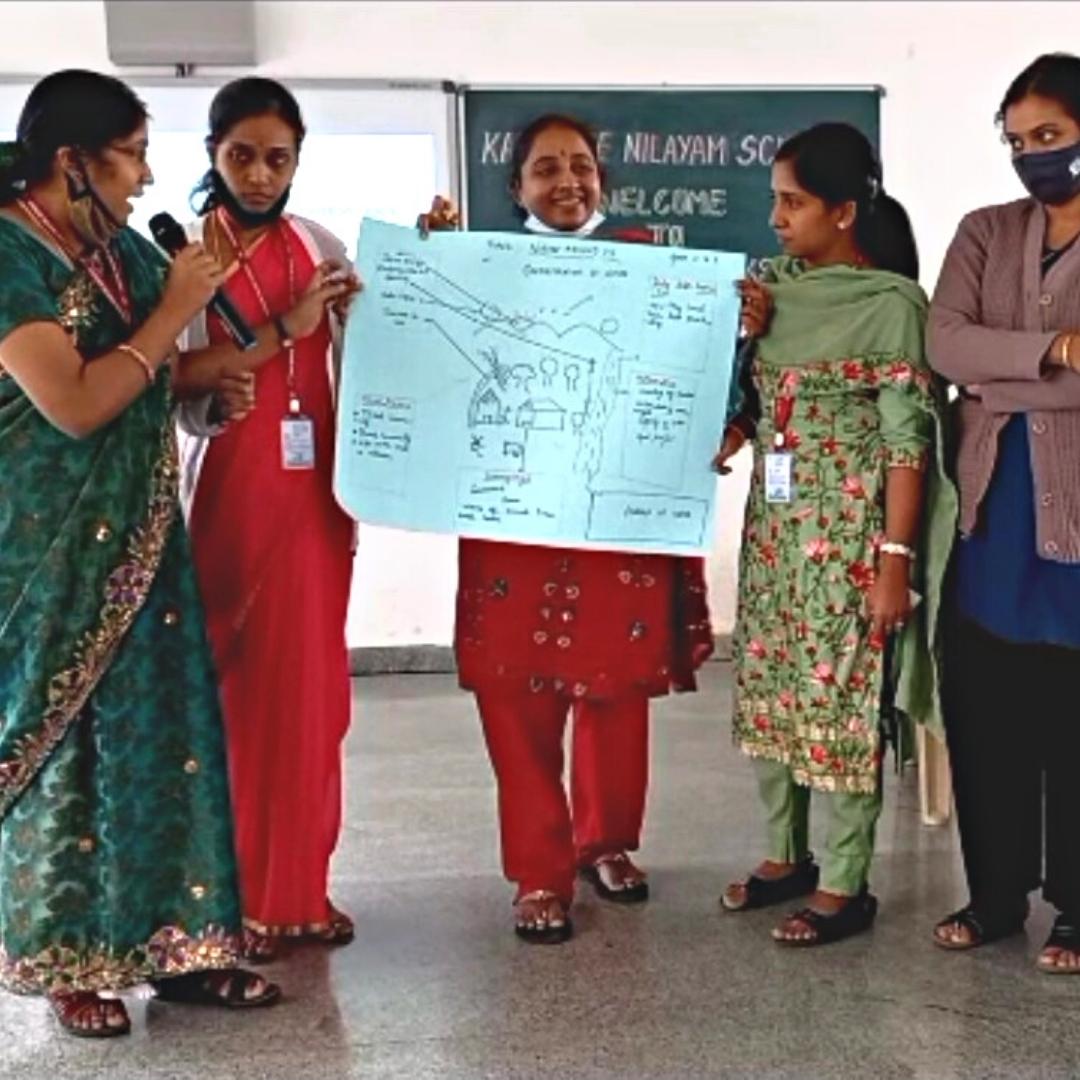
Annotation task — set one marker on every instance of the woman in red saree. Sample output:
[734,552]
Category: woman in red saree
[273,550]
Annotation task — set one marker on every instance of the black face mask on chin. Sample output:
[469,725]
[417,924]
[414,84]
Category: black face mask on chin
[91,218]
[246,219]
[1051,176]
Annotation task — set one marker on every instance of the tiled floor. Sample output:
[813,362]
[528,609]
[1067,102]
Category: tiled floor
[437,986]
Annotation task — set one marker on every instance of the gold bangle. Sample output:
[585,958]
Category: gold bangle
[139,356]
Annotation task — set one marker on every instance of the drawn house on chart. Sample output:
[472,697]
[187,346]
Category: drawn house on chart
[541,414]
[487,408]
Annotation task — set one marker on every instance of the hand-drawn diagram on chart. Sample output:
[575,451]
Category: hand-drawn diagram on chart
[536,388]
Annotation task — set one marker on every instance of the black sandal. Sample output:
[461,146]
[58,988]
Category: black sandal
[766,892]
[1065,936]
[982,928]
[628,894]
[339,930]
[854,917]
[225,988]
[547,933]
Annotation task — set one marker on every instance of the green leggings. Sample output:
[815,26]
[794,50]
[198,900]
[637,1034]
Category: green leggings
[849,842]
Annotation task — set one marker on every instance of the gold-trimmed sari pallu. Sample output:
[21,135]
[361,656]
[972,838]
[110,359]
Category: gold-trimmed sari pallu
[116,852]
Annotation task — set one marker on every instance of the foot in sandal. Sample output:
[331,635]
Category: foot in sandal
[88,1015]
[827,918]
[540,918]
[1061,953]
[228,988]
[771,883]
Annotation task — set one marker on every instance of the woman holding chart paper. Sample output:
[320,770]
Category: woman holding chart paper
[546,632]
[272,548]
[837,534]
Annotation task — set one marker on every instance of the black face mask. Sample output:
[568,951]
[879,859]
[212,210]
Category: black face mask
[246,219]
[92,220]
[1052,176]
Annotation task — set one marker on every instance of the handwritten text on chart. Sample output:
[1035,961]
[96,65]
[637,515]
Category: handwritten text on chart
[536,389]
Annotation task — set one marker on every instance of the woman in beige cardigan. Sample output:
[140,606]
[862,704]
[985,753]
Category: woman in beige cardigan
[1005,328]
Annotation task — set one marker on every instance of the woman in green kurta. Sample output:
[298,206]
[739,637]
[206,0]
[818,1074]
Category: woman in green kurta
[849,515]
[116,855]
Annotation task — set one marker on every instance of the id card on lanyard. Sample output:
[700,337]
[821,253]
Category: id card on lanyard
[297,440]
[297,430]
[780,462]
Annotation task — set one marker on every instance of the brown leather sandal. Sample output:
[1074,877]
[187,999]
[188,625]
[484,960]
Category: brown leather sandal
[77,1011]
[258,948]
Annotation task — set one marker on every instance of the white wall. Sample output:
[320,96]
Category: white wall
[944,67]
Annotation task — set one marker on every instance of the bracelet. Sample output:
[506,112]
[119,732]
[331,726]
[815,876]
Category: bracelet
[284,339]
[140,357]
[892,548]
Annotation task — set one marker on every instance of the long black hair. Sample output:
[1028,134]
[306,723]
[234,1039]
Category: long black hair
[81,109]
[836,163]
[1052,75]
[528,135]
[236,101]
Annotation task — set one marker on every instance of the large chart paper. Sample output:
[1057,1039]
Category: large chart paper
[536,388]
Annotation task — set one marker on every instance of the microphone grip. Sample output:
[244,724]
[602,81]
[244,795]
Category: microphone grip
[169,235]
[242,334]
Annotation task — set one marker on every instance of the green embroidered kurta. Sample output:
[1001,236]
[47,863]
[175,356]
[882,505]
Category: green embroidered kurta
[116,854]
[846,349]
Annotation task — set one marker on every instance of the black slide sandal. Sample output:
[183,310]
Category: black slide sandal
[856,916]
[225,989]
[767,892]
[982,928]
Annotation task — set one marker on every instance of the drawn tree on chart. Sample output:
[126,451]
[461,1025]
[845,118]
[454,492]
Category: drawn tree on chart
[552,377]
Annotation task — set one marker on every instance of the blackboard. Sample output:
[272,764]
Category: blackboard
[689,165]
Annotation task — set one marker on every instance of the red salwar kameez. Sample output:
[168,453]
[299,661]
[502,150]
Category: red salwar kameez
[273,553]
[544,632]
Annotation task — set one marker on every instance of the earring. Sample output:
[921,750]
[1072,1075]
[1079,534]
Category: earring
[841,224]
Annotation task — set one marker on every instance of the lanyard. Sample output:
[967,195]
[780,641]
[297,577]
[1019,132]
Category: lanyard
[256,287]
[785,406]
[100,264]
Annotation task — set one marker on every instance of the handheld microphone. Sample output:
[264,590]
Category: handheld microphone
[169,235]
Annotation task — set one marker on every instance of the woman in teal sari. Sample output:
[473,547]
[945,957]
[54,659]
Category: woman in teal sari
[116,849]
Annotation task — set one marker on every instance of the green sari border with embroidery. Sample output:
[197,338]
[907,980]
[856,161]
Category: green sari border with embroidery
[126,590]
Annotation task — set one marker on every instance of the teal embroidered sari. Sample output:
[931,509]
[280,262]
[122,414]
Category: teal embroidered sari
[116,851]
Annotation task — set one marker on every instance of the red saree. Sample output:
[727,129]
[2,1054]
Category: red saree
[274,560]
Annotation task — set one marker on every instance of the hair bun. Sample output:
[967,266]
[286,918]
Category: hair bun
[12,166]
